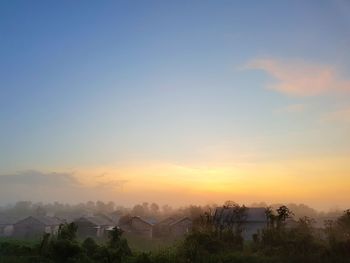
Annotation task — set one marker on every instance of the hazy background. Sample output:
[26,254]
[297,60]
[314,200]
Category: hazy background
[186,102]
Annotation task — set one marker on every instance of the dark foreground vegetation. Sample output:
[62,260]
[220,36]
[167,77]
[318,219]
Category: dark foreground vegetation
[207,243]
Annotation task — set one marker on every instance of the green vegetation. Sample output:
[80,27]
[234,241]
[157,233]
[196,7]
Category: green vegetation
[144,244]
[207,243]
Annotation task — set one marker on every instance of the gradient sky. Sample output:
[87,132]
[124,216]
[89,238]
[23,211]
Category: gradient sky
[175,101]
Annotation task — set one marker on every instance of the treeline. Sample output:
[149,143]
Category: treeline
[144,209]
[207,243]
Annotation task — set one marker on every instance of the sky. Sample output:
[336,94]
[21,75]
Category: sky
[178,102]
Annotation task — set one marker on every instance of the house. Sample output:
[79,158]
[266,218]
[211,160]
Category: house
[180,227]
[252,219]
[6,225]
[36,226]
[141,227]
[94,226]
[172,227]
[162,229]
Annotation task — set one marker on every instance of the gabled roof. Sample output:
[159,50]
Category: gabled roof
[98,220]
[69,218]
[143,220]
[180,220]
[45,220]
[224,215]
[167,221]
[106,218]
[151,220]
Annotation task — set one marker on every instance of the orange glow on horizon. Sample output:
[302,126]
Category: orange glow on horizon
[287,181]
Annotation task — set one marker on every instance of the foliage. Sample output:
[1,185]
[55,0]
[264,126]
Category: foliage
[338,234]
[300,242]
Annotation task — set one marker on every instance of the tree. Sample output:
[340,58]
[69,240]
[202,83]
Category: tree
[230,204]
[44,244]
[67,232]
[167,209]
[115,237]
[110,206]
[275,235]
[117,248]
[90,247]
[101,207]
[283,213]
[154,208]
[139,210]
[65,247]
[343,223]
[339,234]
[271,218]
[302,237]
[195,212]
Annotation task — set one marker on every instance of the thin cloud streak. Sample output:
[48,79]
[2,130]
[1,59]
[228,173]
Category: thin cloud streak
[33,177]
[300,78]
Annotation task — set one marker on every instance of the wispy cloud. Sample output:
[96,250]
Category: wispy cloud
[300,78]
[112,184]
[33,177]
[64,186]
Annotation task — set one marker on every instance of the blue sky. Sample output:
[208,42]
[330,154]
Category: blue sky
[87,83]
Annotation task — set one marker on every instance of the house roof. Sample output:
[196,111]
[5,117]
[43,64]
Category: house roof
[151,220]
[98,220]
[224,215]
[69,218]
[167,221]
[143,220]
[180,220]
[106,219]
